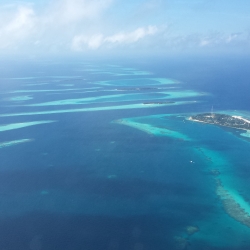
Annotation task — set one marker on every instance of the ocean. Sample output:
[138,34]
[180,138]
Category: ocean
[100,154]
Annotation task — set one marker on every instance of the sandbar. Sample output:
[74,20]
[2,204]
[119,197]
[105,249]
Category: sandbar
[12,143]
[21,125]
[153,130]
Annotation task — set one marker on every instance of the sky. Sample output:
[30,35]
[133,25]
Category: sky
[124,26]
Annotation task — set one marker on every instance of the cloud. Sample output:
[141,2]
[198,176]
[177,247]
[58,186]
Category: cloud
[70,11]
[220,39]
[92,42]
[232,37]
[18,27]
[96,41]
[81,25]
[133,36]
[25,26]
[22,20]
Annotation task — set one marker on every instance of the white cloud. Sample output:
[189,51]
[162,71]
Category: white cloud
[18,27]
[68,11]
[133,36]
[96,41]
[23,26]
[220,39]
[79,25]
[23,20]
[232,37]
[92,42]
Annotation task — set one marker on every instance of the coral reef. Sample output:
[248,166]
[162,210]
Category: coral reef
[181,243]
[192,229]
[231,206]
[215,172]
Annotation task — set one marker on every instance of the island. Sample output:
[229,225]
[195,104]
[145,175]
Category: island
[237,122]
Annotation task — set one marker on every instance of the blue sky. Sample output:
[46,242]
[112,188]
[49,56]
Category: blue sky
[119,26]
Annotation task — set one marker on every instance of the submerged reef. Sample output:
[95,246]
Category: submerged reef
[151,129]
[136,89]
[231,206]
[192,229]
[21,98]
[215,172]
[12,143]
[222,120]
[181,243]
[166,102]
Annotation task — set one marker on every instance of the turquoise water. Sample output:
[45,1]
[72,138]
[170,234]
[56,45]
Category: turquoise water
[105,169]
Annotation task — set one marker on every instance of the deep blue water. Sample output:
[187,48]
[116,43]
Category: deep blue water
[84,181]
